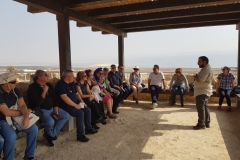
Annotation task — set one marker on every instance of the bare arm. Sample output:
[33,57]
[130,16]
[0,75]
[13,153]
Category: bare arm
[81,94]
[233,84]
[67,100]
[164,84]
[9,112]
[149,81]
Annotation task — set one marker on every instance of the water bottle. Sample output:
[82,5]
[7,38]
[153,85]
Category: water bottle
[18,127]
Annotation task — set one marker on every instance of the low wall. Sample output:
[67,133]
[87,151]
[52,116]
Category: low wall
[165,97]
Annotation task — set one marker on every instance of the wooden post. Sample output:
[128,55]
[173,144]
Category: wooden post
[64,54]
[238,67]
[121,51]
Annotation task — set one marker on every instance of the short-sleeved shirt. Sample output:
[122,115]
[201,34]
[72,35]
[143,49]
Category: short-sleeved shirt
[9,99]
[226,81]
[66,88]
[156,79]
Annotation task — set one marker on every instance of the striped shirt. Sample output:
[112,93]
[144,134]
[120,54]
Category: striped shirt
[226,81]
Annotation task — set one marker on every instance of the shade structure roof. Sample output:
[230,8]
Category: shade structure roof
[120,17]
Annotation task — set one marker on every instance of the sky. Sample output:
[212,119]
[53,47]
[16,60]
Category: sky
[32,39]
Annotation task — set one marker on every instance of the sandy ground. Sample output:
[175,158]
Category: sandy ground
[142,133]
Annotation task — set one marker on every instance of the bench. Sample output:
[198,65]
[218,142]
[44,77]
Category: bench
[191,93]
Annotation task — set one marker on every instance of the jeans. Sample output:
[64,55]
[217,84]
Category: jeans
[176,88]
[122,95]
[51,127]
[225,93]
[203,110]
[9,135]
[83,116]
[155,90]
[1,144]
[136,91]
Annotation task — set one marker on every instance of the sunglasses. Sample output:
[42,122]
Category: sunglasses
[177,72]
[84,76]
[154,68]
[13,82]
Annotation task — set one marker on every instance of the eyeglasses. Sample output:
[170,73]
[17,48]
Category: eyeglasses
[177,72]
[84,76]
[135,69]
[13,82]
[100,73]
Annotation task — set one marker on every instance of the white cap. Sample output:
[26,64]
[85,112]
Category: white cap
[136,67]
[8,77]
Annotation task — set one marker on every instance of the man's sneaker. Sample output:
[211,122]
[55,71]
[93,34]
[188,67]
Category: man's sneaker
[182,104]
[207,125]
[102,121]
[95,127]
[82,138]
[91,131]
[219,108]
[28,158]
[197,127]
[49,139]
[54,138]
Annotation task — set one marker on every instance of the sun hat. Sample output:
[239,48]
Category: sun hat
[225,67]
[135,67]
[8,77]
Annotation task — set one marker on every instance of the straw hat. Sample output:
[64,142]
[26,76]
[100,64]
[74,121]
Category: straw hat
[136,67]
[8,77]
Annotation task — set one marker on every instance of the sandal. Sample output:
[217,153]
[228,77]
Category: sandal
[113,116]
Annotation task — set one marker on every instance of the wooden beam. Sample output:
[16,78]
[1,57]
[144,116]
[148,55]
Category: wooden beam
[81,25]
[34,10]
[73,15]
[191,12]
[238,60]
[54,8]
[182,26]
[81,3]
[121,51]
[80,18]
[64,54]
[188,20]
[152,6]
[95,30]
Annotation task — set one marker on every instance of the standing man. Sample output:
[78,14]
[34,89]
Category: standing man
[202,91]
[69,99]
[9,96]
[155,81]
[41,94]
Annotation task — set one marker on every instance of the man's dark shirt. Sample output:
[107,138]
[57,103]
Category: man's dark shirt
[36,100]
[9,99]
[114,79]
[66,88]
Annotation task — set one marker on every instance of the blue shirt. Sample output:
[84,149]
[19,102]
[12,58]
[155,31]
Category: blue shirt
[66,88]
[226,81]
[114,79]
[8,99]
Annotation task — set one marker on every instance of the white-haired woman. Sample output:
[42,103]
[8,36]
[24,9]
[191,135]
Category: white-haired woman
[135,81]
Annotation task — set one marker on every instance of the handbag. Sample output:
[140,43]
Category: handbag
[143,85]
[16,122]
[38,112]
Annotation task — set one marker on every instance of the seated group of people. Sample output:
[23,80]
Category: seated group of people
[83,98]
